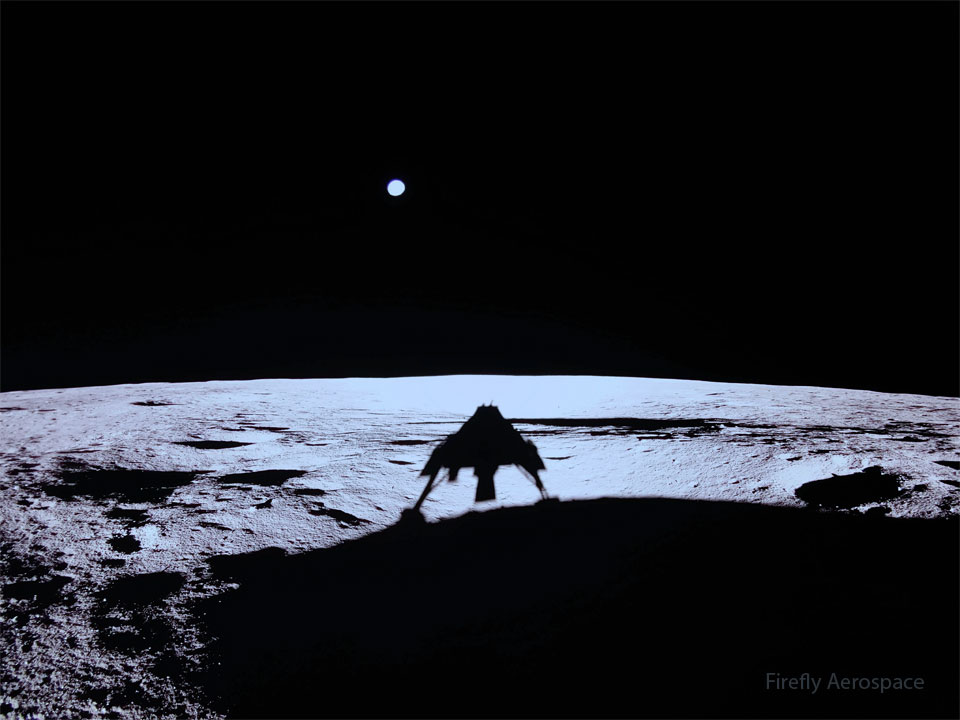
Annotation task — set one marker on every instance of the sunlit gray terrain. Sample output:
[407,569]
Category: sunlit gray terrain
[104,483]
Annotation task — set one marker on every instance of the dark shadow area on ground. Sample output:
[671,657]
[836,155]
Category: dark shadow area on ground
[212,444]
[262,477]
[135,590]
[847,491]
[602,608]
[126,544]
[344,518]
[123,484]
[636,424]
[130,617]
[644,428]
[129,517]
[42,593]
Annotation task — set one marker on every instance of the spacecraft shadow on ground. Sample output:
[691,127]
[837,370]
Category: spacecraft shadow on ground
[622,603]
[485,442]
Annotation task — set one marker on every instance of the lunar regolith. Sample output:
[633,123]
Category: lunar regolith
[123,506]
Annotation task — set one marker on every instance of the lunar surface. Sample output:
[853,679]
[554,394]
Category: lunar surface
[121,505]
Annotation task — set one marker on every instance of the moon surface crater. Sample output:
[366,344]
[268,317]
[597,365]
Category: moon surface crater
[114,527]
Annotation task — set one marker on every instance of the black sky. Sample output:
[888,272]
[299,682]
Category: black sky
[752,192]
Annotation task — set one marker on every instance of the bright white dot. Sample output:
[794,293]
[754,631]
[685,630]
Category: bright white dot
[396,187]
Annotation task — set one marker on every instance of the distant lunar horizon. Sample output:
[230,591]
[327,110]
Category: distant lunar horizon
[104,482]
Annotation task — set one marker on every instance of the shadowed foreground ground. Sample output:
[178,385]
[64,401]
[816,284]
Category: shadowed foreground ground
[610,607]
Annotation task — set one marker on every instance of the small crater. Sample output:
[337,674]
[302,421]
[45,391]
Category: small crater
[847,491]
[401,462]
[124,543]
[22,468]
[215,526]
[316,444]
[340,515]
[132,518]
[565,457]
[411,442]
[11,408]
[21,567]
[794,459]
[643,428]
[212,444]
[952,464]
[42,593]
[269,428]
[152,403]
[113,562]
[126,485]
[262,477]
[310,491]
[636,424]
[953,483]
[265,504]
